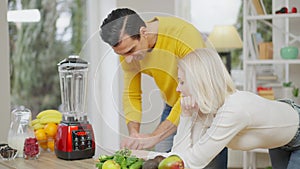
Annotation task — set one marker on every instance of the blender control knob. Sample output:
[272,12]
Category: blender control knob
[85,118]
[76,144]
[70,118]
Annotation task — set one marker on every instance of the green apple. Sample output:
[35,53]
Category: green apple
[171,162]
[111,164]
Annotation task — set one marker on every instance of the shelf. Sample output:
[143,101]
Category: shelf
[284,33]
[274,61]
[273,16]
[278,84]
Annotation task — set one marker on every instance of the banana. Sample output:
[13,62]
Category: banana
[51,116]
[47,112]
[50,120]
[38,126]
[35,121]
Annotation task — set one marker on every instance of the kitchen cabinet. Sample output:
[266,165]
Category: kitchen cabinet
[268,71]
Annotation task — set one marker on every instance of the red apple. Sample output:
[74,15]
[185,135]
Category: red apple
[171,162]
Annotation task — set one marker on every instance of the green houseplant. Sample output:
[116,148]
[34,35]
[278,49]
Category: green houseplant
[295,91]
[290,91]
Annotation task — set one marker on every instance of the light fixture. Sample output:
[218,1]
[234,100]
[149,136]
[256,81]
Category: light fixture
[224,39]
[29,15]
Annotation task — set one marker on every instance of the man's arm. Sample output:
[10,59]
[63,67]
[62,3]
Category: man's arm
[132,141]
[131,98]
[133,128]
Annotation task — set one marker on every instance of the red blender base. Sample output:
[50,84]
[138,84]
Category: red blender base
[74,141]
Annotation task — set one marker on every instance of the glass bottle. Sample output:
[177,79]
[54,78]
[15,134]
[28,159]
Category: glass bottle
[20,129]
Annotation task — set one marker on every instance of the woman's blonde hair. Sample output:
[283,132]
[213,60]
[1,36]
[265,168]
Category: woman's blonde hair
[207,79]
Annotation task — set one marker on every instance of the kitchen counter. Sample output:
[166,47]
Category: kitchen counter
[48,160]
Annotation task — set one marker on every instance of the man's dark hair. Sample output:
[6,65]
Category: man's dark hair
[113,26]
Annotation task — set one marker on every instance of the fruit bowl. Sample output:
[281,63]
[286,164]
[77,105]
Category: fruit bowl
[47,144]
[7,153]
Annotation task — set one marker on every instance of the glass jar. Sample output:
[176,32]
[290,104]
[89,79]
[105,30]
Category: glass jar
[20,130]
[31,148]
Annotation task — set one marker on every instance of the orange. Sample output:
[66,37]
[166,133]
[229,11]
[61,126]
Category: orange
[40,134]
[50,129]
[50,144]
[43,144]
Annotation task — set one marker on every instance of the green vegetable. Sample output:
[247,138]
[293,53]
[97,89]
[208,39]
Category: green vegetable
[131,160]
[124,167]
[137,165]
[123,164]
[119,159]
[123,158]
[99,165]
[105,157]
[123,152]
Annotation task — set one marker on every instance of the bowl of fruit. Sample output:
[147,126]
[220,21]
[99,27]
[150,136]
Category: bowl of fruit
[124,159]
[45,128]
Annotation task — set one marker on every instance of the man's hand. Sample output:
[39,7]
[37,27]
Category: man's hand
[188,106]
[139,141]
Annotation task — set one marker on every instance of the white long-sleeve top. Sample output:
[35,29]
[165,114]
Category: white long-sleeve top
[246,121]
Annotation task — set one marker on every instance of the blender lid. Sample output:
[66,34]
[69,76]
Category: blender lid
[73,62]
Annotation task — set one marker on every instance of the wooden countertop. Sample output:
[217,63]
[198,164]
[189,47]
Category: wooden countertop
[48,160]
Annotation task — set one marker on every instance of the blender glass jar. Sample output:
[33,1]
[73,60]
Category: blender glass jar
[73,73]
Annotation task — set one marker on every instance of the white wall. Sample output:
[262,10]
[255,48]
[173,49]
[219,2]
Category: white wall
[153,6]
[4,74]
[103,99]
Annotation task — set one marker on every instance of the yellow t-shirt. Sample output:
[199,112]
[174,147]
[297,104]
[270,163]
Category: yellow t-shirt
[176,38]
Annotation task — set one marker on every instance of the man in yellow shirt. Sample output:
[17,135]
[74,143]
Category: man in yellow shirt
[151,48]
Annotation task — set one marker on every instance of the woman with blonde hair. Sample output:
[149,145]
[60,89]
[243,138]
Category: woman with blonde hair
[215,115]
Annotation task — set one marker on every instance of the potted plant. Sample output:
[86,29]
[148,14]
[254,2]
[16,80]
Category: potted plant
[295,91]
[291,91]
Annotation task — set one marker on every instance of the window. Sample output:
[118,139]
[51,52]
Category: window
[36,48]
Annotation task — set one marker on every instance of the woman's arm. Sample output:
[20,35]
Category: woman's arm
[223,129]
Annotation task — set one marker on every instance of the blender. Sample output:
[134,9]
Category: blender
[75,136]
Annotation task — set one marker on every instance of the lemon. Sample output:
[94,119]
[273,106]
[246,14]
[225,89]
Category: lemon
[111,164]
[50,129]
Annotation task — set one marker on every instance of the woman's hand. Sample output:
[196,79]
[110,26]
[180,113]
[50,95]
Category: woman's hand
[140,154]
[188,106]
